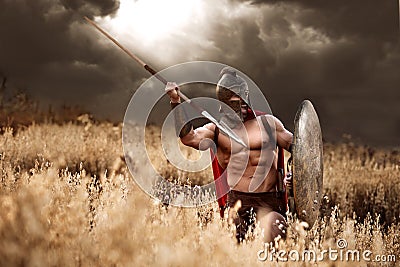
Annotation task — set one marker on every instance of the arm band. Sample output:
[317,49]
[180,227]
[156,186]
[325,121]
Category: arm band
[181,127]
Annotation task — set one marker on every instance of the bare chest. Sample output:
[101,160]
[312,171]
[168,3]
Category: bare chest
[253,133]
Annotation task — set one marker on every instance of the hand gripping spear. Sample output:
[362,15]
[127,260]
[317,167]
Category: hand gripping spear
[222,126]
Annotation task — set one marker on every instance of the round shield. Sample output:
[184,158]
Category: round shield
[307,163]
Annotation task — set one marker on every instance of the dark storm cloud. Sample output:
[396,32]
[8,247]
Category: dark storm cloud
[371,18]
[91,7]
[343,55]
[48,50]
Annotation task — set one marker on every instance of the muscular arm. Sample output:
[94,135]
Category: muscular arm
[283,136]
[200,138]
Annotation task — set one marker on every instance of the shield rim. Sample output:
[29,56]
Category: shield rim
[312,214]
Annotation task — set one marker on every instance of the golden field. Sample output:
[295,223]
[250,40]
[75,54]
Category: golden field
[67,199]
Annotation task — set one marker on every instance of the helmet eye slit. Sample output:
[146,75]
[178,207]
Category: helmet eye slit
[232,90]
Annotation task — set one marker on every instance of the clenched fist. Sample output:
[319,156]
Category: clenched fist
[172,90]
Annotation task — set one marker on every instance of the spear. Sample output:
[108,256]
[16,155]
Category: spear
[222,126]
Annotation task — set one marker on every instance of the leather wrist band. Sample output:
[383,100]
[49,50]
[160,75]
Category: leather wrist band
[186,129]
[181,127]
[174,104]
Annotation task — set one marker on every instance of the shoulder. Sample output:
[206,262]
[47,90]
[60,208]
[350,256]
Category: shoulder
[270,118]
[272,121]
[209,128]
[206,131]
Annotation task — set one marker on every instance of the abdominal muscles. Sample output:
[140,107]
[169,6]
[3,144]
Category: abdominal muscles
[253,171]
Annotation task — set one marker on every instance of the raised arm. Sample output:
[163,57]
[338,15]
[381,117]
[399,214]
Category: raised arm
[199,138]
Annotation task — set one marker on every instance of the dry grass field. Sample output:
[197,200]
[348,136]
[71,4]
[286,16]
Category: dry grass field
[67,199]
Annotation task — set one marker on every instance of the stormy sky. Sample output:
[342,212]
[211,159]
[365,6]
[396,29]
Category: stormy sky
[344,55]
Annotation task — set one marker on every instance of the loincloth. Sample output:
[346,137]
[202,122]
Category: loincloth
[251,204]
[264,200]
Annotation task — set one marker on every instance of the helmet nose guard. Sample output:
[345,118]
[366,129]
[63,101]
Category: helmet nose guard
[230,84]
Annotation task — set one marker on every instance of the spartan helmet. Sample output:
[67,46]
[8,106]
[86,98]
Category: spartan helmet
[231,84]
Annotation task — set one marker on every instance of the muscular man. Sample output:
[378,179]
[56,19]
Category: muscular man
[252,173]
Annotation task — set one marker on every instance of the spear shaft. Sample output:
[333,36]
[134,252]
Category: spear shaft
[131,55]
[224,128]
[138,60]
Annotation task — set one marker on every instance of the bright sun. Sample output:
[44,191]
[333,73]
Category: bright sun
[152,20]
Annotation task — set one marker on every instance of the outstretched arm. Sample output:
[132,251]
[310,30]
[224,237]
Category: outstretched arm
[199,138]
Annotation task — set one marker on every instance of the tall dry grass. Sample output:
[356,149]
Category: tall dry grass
[67,199]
